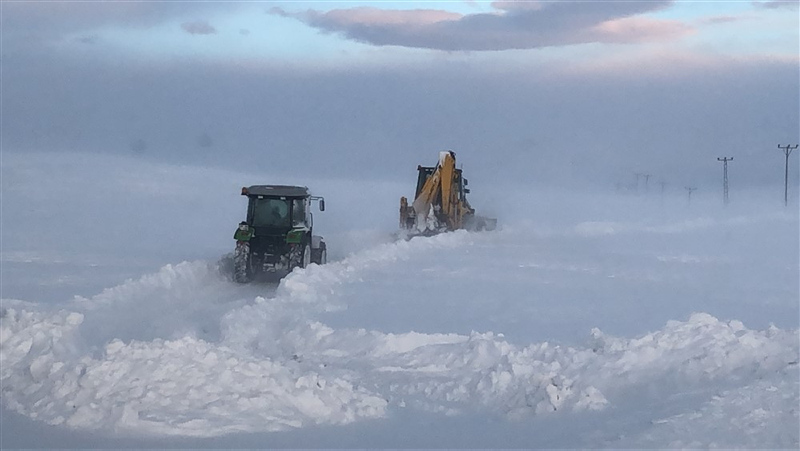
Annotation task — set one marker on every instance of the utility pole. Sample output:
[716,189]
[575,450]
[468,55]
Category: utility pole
[787,150]
[663,184]
[725,161]
[690,189]
[646,181]
[637,174]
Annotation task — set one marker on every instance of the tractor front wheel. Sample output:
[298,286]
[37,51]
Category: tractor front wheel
[306,256]
[319,255]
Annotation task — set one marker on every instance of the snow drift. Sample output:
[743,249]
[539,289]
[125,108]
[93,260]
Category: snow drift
[186,352]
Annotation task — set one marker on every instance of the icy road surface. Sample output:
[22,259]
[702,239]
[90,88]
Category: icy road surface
[520,337]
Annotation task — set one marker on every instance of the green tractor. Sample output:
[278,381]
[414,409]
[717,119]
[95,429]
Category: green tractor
[277,235]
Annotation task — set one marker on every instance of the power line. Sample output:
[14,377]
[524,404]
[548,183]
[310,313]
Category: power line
[725,161]
[787,150]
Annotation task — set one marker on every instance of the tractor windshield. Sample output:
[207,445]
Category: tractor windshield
[271,212]
[299,213]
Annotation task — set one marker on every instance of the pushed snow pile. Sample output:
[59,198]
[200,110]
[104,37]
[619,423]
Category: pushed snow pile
[305,292]
[184,387]
[699,349]
[272,364]
[183,299]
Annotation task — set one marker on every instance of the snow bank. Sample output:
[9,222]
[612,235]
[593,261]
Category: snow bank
[135,359]
[701,348]
[172,387]
[179,300]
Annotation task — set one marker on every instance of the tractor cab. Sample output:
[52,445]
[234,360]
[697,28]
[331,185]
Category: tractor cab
[279,207]
[278,231]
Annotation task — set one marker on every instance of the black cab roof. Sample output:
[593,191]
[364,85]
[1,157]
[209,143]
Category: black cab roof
[276,191]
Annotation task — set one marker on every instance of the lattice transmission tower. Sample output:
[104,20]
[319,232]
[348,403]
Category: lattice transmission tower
[787,150]
[725,161]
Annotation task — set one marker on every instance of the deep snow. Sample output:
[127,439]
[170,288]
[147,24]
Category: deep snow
[610,321]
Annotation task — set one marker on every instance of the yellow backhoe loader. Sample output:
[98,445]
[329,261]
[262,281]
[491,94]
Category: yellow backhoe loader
[440,203]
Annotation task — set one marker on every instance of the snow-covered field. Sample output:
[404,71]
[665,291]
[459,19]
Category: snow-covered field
[585,321]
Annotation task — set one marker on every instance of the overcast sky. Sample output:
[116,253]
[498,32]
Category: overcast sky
[542,92]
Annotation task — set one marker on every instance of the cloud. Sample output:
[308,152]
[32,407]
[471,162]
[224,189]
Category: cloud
[640,29]
[375,17]
[774,4]
[513,25]
[198,27]
[27,26]
[517,5]
[719,20]
[518,112]
[59,17]
[668,114]
[88,39]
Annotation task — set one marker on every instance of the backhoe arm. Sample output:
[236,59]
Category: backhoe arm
[440,204]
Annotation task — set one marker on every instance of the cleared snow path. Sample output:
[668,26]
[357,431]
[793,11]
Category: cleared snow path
[184,352]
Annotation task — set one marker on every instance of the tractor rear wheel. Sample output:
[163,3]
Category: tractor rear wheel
[241,262]
[300,258]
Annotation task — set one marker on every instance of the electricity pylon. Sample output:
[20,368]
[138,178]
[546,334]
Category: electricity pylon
[689,189]
[787,150]
[725,161]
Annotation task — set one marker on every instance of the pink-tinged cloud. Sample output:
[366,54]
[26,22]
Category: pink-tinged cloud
[641,29]
[513,25]
[198,27]
[719,19]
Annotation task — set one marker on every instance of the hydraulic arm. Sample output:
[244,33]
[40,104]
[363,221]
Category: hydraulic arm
[440,203]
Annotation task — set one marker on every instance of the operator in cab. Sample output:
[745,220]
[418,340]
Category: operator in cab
[243,232]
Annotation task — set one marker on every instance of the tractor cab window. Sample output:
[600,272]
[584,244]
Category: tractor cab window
[271,213]
[299,213]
